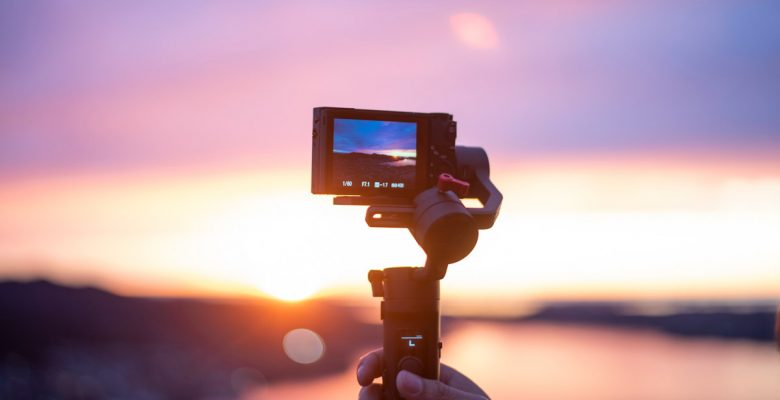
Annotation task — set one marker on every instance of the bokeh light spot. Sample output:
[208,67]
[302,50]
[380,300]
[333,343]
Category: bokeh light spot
[474,30]
[303,346]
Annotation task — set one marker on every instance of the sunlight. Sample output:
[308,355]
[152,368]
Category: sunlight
[288,285]
[401,153]
[566,230]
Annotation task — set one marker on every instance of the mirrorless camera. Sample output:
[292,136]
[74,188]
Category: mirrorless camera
[386,154]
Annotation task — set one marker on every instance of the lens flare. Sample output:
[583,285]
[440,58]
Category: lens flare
[303,346]
[474,30]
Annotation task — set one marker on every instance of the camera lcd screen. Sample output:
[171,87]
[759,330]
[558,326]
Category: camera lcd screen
[373,155]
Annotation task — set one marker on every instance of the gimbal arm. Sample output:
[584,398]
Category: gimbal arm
[473,167]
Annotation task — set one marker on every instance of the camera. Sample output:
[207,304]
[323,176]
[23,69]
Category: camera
[406,167]
[380,154]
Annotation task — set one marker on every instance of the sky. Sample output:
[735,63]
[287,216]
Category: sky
[367,136]
[163,148]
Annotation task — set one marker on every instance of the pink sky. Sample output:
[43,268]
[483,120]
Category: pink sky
[165,149]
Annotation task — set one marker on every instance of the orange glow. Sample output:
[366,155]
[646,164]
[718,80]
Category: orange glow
[288,286]
[568,229]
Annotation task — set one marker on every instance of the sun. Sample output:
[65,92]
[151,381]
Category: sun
[288,292]
[398,153]
[289,284]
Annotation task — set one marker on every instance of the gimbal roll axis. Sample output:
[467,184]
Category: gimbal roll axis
[447,231]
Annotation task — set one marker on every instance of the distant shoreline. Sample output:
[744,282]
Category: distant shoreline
[731,322]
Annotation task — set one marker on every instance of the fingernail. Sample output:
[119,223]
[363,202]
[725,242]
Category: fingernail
[409,383]
[360,372]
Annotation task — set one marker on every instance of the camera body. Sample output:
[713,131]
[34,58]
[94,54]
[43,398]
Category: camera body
[380,154]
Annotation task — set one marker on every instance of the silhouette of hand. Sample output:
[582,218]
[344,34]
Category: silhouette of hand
[452,385]
[777,328]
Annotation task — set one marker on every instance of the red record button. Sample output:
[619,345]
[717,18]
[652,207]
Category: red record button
[449,182]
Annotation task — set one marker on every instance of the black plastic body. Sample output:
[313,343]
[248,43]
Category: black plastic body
[447,231]
[473,167]
[443,227]
[436,134]
[411,325]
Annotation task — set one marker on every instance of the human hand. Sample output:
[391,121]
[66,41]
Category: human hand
[452,385]
[777,328]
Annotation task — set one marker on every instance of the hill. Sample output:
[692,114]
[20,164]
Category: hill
[66,342]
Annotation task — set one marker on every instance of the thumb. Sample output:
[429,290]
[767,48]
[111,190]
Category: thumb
[413,387]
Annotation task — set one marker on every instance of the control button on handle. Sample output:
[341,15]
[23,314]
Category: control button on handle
[411,364]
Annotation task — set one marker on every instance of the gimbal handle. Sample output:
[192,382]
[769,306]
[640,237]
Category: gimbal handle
[410,325]
[447,231]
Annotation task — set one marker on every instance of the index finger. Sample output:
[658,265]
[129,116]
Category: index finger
[454,378]
[369,367]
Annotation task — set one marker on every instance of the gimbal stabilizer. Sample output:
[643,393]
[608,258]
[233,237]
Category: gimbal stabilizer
[447,231]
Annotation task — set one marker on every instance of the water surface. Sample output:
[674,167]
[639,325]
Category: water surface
[554,361]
